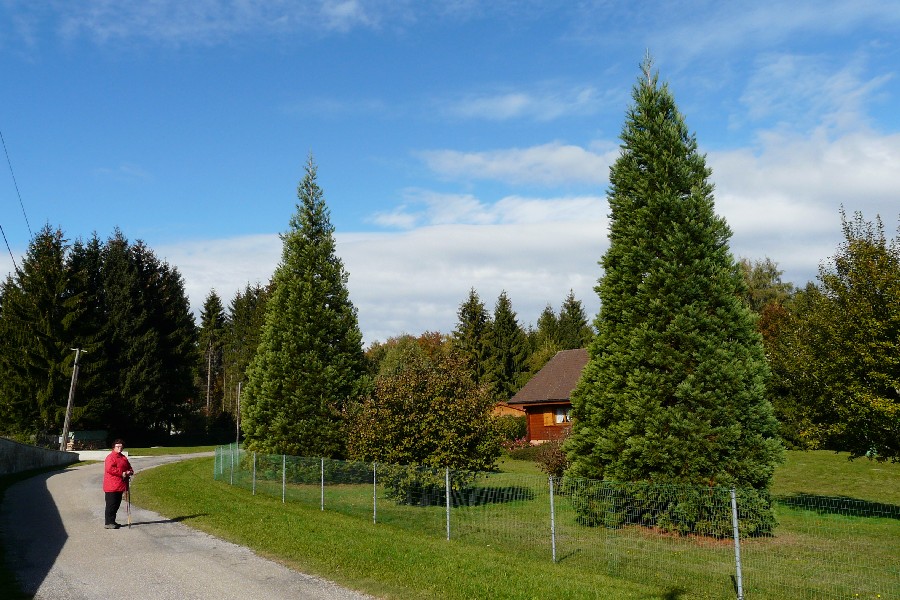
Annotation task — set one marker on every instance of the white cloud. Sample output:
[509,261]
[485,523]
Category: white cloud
[548,164]
[783,201]
[424,207]
[414,281]
[546,104]
[805,92]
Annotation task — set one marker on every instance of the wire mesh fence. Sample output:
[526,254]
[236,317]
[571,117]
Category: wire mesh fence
[705,542]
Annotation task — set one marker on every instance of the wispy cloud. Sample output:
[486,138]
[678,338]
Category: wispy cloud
[428,208]
[806,92]
[548,164]
[716,28]
[201,22]
[123,172]
[552,101]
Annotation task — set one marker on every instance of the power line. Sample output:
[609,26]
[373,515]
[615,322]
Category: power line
[9,162]
[9,249]
[21,204]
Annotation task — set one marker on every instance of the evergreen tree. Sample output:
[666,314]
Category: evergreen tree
[471,335]
[37,312]
[674,391]
[543,341]
[310,362]
[507,351]
[97,378]
[246,315]
[573,331]
[151,339]
[211,347]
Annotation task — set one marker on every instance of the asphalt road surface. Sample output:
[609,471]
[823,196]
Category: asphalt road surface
[52,529]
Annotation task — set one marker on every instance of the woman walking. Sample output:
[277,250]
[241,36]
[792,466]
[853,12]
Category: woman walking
[115,481]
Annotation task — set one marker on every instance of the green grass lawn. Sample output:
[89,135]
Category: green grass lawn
[166,450]
[385,560]
[820,550]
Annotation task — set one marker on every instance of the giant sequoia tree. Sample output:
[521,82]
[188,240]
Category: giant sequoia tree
[310,361]
[674,391]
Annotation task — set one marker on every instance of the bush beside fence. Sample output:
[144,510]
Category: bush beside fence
[714,548]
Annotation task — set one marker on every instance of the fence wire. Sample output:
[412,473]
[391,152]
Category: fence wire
[679,537]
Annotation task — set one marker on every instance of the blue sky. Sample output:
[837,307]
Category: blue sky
[460,144]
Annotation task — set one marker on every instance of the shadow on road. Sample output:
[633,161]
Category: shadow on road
[172,520]
[33,545]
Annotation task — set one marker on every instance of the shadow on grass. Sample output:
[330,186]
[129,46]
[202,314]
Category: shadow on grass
[840,505]
[481,496]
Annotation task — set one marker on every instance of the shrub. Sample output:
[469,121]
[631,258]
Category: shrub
[511,428]
[681,509]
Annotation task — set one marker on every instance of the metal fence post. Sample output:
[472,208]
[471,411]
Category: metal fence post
[283,476]
[737,545]
[322,502]
[254,474]
[232,467]
[447,487]
[374,492]
[552,521]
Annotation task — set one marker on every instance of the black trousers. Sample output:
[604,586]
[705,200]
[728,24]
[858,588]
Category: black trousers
[113,502]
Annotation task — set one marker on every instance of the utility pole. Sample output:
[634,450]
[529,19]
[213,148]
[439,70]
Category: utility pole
[208,373]
[238,419]
[65,431]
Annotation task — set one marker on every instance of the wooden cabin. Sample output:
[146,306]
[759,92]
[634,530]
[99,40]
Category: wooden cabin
[546,397]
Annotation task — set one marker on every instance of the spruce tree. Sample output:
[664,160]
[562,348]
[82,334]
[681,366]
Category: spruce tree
[470,337]
[211,348]
[310,361]
[507,351]
[674,391]
[246,315]
[573,330]
[37,313]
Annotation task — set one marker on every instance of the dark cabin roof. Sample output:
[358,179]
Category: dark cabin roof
[555,382]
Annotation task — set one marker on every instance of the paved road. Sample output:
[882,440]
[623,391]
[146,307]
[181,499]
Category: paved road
[52,529]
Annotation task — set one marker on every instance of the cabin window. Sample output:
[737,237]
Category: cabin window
[563,415]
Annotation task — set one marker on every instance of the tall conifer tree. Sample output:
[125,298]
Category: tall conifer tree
[674,391]
[471,335]
[310,361]
[508,351]
[37,312]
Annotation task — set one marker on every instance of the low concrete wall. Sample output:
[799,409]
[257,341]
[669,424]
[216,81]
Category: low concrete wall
[16,457]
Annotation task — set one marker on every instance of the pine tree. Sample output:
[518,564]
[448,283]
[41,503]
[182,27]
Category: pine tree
[471,335]
[37,312]
[674,391]
[310,362]
[507,351]
[211,347]
[246,315]
[573,331]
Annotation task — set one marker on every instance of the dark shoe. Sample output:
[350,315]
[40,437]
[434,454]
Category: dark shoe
[112,526]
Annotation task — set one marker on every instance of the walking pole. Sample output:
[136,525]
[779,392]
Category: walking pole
[128,500]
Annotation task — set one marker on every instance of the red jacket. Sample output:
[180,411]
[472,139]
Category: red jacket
[116,464]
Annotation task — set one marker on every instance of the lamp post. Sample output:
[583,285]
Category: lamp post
[65,431]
